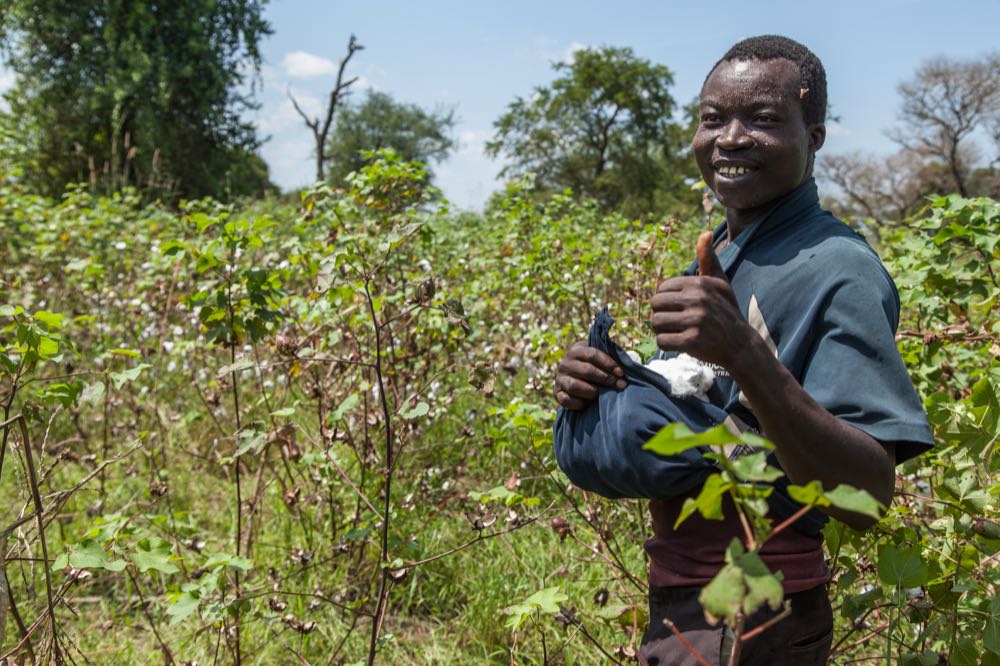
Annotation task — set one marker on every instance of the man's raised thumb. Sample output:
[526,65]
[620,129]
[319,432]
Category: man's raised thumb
[708,262]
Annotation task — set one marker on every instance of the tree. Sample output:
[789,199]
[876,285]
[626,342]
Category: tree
[136,92]
[603,128]
[339,92]
[946,107]
[380,122]
[943,106]
[880,188]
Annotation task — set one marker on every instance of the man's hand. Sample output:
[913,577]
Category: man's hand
[699,315]
[580,372]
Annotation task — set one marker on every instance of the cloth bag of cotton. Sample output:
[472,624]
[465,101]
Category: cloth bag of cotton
[600,447]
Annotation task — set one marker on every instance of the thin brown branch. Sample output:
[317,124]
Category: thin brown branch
[39,510]
[687,645]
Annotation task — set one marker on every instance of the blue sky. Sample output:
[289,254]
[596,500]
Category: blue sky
[478,56]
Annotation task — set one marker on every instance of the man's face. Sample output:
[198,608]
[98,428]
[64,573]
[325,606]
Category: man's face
[753,145]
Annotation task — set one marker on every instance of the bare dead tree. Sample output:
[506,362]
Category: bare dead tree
[340,90]
[879,188]
[946,102]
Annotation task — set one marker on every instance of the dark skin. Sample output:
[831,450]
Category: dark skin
[752,146]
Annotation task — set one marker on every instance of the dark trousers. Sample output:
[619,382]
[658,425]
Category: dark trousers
[801,639]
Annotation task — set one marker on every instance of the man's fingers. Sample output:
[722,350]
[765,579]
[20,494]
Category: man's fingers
[679,342]
[569,402]
[588,355]
[708,262]
[673,284]
[588,372]
[675,322]
[670,301]
[575,388]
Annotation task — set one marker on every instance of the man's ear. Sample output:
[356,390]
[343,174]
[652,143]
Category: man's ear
[817,136]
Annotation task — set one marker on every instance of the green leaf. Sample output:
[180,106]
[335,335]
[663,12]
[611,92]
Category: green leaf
[991,634]
[284,411]
[925,658]
[545,601]
[902,567]
[227,560]
[502,495]
[854,499]
[51,320]
[420,409]
[966,653]
[92,393]
[182,606]
[625,615]
[122,351]
[810,495]
[754,467]
[154,553]
[90,554]
[251,441]
[48,348]
[62,393]
[10,310]
[172,247]
[119,379]
[239,366]
[344,407]
[722,598]
[763,587]
[675,438]
[708,502]
[744,583]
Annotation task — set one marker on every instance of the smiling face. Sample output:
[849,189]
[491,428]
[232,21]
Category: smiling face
[753,145]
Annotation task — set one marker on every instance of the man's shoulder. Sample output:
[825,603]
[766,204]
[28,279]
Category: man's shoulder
[812,261]
[820,242]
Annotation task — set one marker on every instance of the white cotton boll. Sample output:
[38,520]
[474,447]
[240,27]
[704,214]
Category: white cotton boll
[424,265]
[635,357]
[687,377]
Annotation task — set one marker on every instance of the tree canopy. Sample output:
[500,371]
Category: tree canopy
[949,138]
[378,122]
[605,128]
[137,93]
[944,105]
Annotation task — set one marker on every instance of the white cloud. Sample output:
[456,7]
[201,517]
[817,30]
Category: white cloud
[833,128]
[300,64]
[468,176]
[472,141]
[290,161]
[278,114]
[6,80]
[570,53]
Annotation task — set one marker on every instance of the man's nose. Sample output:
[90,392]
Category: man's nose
[734,136]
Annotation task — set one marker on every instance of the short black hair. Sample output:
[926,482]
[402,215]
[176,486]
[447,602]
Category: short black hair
[812,76]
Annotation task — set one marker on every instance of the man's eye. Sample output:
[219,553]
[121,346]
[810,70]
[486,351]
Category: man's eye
[709,118]
[765,118]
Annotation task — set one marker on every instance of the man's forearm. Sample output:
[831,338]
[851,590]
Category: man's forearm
[811,443]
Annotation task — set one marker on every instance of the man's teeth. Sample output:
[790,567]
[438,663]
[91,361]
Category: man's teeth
[733,170]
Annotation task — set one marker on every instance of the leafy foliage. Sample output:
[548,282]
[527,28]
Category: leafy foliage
[380,122]
[136,93]
[392,361]
[603,128]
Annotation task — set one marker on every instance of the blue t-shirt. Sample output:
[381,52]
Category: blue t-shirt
[818,293]
[821,298]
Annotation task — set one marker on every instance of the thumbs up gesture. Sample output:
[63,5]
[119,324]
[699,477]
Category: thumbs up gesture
[698,315]
[708,262]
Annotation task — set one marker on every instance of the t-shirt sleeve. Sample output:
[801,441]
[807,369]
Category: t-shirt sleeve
[854,368]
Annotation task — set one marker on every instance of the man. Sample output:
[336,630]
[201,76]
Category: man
[797,317]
